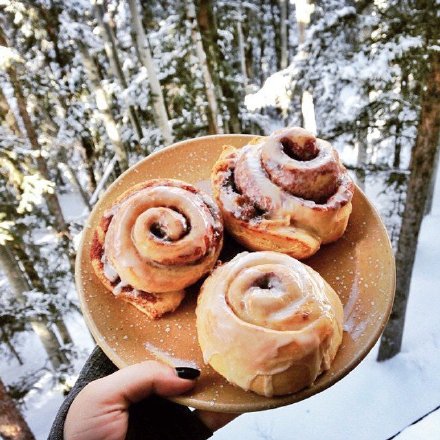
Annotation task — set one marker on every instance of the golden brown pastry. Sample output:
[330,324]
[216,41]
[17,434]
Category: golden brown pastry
[287,192]
[158,238]
[268,323]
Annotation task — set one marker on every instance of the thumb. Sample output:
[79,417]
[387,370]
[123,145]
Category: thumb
[136,382]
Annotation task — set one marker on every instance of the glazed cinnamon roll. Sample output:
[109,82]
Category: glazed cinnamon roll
[268,323]
[288,192]
[157,239]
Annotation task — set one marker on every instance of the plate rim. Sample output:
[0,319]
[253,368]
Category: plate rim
[231,407]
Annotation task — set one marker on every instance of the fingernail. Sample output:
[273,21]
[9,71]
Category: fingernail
[187,372]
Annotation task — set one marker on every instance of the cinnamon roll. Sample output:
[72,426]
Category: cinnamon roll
[268,323]
[288,192]
[158,238]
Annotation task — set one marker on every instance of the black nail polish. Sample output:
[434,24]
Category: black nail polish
[187,373]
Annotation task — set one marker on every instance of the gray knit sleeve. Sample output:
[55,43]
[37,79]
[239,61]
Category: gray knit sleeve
[151,419]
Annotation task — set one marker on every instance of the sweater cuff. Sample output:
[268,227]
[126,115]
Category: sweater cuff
[98,365]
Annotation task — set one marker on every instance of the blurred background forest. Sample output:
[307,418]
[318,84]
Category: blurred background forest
[89,88]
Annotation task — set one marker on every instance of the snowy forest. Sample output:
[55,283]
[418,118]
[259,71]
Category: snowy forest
[90,87]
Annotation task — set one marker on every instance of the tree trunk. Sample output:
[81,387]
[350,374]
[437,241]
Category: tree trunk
[361,161]
[51,16]
[397,151]
[7,115]
[5,339]
[19,285]
[89,155]
[13,426]
[63,331]
[219,67]
[262,41]
[251,27]
[283,34]
[74,180]
[303,11]
[214,119]
[103,106]
[104,181]
[159,109]
[241,51]
[422,170]
[51,199]
[428,206]
[112,54]
[275,15]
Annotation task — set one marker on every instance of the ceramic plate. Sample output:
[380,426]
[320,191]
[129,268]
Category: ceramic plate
[359,266]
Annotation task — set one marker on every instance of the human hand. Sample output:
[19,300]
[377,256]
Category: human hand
[101,409]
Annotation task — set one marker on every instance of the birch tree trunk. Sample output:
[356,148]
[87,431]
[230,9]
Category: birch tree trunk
[361,160]
[241,51]
[146,59]
[19,285]
[283,34]
[112,54]
[303,12]
[260,43]
[13,426]
[103,106]
[302,19]
[275,15]
[214,119]
[422,169]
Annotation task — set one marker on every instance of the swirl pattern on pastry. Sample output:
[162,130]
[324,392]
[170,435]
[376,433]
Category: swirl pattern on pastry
[288,192]
[157,239]
[268,323]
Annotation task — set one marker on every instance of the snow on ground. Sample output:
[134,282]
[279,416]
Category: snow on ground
[428,428]
[43,401]
[374,402]
[73,206]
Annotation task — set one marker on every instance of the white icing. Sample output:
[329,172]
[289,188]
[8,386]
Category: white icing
[169,358]
[188,249]
[285,214]
[249,350]
[110,272]
[118,288]
[111,211]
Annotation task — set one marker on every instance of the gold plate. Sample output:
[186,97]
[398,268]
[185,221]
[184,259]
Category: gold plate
[359,266]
